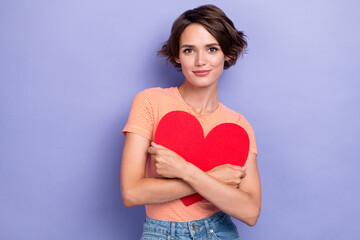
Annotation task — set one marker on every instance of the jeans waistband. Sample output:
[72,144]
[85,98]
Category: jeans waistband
[191,228]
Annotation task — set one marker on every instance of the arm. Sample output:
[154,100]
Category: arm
[138,190]
[243,203]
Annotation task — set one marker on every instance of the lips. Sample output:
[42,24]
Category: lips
[201,73]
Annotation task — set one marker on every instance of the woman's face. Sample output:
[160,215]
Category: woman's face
[200,56]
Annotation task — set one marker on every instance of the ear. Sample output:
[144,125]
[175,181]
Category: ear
[227,58]
[177,60]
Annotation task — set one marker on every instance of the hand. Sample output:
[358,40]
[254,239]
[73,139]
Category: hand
[229,174]
[167,163]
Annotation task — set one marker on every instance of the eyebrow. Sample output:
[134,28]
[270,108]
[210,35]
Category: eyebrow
[207,45]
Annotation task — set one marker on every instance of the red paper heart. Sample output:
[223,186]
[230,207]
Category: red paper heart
[182,133]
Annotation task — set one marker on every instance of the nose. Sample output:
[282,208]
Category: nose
[200,59]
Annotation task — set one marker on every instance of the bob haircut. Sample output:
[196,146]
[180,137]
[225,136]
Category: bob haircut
[232,42]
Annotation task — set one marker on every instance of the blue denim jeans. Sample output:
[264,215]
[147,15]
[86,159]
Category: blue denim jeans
[218,227]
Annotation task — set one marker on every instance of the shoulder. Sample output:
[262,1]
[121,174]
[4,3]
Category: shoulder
[231,114]
[151,92]
[147,92]
[236,117]
[155,95]
[240,120]
[147,95]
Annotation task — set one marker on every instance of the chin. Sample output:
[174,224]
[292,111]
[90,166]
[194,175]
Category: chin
[202,83]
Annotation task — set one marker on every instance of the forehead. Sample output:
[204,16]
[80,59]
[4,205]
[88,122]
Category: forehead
[197,35]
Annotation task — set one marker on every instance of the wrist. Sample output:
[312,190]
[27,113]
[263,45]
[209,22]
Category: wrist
[189,172]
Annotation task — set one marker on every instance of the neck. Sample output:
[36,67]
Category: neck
[203,100]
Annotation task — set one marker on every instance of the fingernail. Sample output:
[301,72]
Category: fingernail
[244,168]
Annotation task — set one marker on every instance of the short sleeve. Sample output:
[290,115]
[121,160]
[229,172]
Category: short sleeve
[246,125]
[142,115]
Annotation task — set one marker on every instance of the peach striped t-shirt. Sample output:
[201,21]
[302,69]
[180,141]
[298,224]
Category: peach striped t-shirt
[147,108]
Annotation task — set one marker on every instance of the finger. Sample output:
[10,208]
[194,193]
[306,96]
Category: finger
[216,167]
[152,150]
[236,167]
[157,145]
[239,168]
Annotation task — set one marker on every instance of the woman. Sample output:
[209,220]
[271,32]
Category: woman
[202,43]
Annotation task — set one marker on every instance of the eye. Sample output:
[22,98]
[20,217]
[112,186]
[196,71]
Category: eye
[213,49]
[188,50]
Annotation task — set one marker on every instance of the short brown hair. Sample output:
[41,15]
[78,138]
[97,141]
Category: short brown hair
[232,42]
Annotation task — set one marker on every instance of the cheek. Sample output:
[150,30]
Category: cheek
[186,62]
[219,61]
[218,64]
[186,72]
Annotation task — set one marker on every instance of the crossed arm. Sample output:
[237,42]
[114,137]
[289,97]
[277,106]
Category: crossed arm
[182,178]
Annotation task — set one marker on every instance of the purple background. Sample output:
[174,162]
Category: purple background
[70,69]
